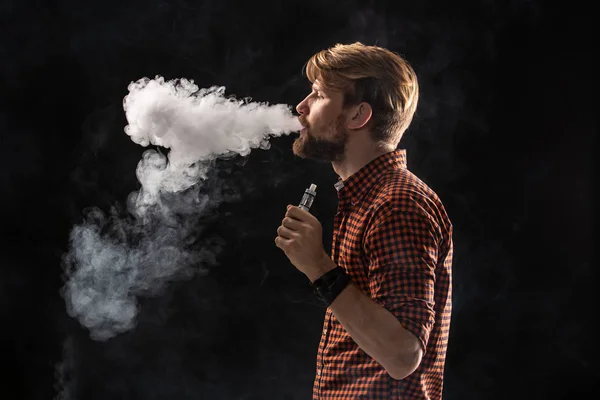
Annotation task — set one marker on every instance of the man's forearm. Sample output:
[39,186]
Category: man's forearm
[376,331]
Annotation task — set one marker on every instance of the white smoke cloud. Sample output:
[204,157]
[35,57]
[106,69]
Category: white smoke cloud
[113,259]
[198,125]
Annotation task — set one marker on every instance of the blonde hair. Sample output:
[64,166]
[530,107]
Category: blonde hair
[373,75]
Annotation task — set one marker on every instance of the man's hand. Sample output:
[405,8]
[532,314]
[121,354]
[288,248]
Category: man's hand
[300,236]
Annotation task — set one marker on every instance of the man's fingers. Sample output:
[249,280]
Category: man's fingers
[298,214]
[292,223]
[286,233]
[282,242]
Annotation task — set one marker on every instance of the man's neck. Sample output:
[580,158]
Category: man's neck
[354,161]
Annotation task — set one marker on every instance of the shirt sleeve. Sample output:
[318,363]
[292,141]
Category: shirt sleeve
[402,251]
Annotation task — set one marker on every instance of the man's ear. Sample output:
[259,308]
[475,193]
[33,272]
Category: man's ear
[360,116]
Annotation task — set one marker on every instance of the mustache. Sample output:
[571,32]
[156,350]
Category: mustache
[303,121]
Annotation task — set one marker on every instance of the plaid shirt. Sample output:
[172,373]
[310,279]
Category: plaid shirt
[393,237]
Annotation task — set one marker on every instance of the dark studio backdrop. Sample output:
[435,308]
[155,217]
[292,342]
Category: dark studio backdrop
[503,133]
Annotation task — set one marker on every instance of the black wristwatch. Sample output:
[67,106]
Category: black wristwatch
[330,285]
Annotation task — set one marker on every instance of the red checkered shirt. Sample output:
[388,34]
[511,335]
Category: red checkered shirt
[394,239]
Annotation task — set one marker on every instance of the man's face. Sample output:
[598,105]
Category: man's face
[324,135]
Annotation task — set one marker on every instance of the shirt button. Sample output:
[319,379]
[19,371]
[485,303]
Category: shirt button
[325,332]
[319,372]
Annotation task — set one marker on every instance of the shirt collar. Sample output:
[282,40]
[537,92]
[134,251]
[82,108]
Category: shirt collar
[358,184]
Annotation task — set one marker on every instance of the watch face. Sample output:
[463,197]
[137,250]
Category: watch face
[334,282]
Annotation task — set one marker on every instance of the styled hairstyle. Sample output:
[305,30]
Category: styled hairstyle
[373,75]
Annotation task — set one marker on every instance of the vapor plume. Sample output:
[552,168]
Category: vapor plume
[116,257]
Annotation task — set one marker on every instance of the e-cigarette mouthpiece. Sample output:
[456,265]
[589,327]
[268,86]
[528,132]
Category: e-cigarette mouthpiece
[309,196]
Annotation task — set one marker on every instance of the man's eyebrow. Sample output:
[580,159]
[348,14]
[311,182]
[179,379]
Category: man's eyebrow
[317,88]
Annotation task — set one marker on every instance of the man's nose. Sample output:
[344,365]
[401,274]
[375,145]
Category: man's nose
[302,107]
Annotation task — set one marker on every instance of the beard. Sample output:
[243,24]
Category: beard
[330,149]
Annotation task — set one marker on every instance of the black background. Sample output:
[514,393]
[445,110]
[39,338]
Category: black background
[503,133]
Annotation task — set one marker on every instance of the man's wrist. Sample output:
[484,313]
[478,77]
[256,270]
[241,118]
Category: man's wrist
[329,286]
[324,265]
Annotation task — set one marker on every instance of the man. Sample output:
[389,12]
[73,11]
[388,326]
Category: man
[387,283]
